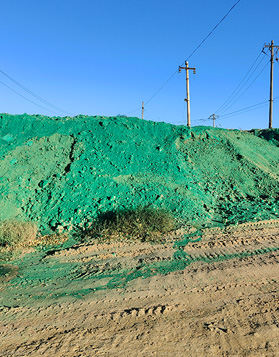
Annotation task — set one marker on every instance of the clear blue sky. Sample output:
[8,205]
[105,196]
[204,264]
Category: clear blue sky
[104,57]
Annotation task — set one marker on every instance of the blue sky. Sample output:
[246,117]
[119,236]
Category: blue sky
[104,57]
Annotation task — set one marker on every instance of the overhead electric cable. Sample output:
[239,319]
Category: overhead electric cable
[234,93]
[38,105]
[246,88]
[240,111]
[132,111]
[214,28]
[244,110]
[160,88]
[191,54]
[33,94]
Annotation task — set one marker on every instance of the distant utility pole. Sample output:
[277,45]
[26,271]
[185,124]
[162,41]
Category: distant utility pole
[271,48]
[187,68]
[213,117]
[142,110]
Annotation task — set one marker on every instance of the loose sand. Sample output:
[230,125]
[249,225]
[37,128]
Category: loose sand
[214,307]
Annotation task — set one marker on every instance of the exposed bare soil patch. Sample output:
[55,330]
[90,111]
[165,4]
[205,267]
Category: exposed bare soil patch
[225,303]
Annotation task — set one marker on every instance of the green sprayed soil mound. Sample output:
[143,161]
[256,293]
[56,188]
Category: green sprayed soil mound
[271,135]
[64,172]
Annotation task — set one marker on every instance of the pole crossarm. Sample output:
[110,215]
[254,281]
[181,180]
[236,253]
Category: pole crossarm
[213,117]
[269,46]
[194,69]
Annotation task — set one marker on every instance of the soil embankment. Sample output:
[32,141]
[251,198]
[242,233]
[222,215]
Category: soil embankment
[209,289]
[62,172]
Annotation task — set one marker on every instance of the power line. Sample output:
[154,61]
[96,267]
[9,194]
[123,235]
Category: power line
[38,105]
[148,116]
[33,94]
[240,111]
[161,87]
[246,88]
[255,106]
[191,54]
[230,98]
[244,110]
[132,111]
[214,28]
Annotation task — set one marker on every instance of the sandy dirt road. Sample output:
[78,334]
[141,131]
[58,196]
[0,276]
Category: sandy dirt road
[225,303]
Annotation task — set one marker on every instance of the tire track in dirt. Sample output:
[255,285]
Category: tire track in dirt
[214,246]
[221,304]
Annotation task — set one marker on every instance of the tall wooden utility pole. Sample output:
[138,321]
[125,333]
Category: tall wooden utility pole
[271,48]
[187,68]
[213,117]
[142,110]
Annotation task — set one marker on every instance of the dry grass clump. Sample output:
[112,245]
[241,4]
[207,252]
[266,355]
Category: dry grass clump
[143,223]
[14,233]
[16,236]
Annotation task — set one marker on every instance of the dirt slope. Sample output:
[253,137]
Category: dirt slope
[208,290]
[62,172]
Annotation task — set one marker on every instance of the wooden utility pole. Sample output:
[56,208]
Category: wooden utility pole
[213,117]
[271,48]
[142,110]
[187,68]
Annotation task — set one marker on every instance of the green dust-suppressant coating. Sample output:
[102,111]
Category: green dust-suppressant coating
[63,172]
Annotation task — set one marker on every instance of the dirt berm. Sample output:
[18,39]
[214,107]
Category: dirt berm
[63,172]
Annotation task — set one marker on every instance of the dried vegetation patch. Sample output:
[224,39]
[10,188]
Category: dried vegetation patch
[16,236]
[143,223]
